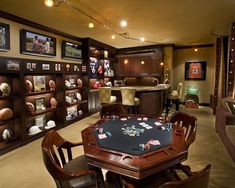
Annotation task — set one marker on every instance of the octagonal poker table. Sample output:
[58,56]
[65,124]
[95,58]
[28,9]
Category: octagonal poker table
[134,146]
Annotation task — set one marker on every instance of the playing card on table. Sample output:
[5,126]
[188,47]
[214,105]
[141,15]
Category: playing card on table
[157,123]
[123,119]
[145,119]
[139,119]
[142,123]
[154,142]
[101,136]
[148,127]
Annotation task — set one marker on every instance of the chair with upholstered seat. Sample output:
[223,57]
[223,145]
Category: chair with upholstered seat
[199,179]
[116,109]
[105,95]
[68,172]
[174,97]
[129,101]
[189,124]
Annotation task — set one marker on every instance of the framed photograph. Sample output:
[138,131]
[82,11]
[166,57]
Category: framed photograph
[45,66]
[40,103]
[29,66]
[195,70]
[72,112]
[71,50]
[39,83]
[4,37]
[34,66]
[39,120]
[37,44]
[76,68]
[57,67]
[13,65]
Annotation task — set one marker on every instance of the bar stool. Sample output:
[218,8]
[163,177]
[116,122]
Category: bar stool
[105,95]
[174,97]
[129,101]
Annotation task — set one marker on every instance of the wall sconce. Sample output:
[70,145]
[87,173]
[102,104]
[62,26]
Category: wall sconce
[161,63]
[125,61]
[142,62]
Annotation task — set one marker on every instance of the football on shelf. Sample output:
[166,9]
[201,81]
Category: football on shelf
[29,107]
[7,135]
[79,82]
[52,85]
[5,114]
[28,86]
[5,89]
[53,102]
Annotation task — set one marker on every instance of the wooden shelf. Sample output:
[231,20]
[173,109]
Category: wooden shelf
[40,93]
[11,97]
[9,121]
[39,112]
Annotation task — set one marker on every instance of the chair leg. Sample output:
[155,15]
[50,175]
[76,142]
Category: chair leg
[177,105]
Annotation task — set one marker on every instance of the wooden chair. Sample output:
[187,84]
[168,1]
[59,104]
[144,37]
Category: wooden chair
[129,101]
[189,124]
[112,109]
[105,95]
[198,179]
[68,172]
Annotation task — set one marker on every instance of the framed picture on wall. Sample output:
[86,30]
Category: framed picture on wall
[195,70]
[37,44]
[71,50]
[4,37]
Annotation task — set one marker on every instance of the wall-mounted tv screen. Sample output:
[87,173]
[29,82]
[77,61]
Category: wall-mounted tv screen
[71,50]
[37,44]
[195,70]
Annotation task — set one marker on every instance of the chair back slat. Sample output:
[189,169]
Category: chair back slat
[62,157]
[188,123]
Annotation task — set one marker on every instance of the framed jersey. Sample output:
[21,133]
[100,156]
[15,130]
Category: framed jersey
[195,70]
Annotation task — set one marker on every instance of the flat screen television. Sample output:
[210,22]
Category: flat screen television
[71,50]
[37,44]
[195,70]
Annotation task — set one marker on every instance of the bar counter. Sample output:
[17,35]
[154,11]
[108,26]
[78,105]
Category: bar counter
[152,98]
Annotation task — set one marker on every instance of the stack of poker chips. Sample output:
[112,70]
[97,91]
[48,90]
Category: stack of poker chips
[144,147]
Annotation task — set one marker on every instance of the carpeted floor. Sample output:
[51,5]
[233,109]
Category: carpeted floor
[24,168]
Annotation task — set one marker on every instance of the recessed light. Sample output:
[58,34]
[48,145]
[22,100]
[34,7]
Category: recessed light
[49,3]
[142,62]
[113,37]
[161,63]
[125,61]
[142,39]
[123,23]
[195,50]
[91,25]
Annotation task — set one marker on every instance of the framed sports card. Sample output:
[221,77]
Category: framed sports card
[195,70]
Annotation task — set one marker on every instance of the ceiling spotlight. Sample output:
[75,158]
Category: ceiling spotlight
[113,37]
[142,39]
[49,3]
[125,61]
[161,63]
[123,23]
[91,25]
[142,62]
[195,50]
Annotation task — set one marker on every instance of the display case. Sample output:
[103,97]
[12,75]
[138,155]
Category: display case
[33,97]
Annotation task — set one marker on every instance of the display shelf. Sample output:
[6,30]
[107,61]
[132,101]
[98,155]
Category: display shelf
[40,112]
[39,93]
[9,120]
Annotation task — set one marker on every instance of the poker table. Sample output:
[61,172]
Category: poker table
[134,146]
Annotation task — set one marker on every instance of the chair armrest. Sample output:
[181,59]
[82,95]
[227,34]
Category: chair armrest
[68,144]
[82,173]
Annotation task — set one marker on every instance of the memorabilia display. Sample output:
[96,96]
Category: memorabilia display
[71,113]
[67,66]
[195,70]
[13,65]
[45,66]
[108,71]
[50,124]
[83,68]
[80,112]
[29,107]
[40,103]
[68,99]
[79,97]
[37,44]
[34,130]
[79,82]
[57,67]
[39,83]
[7,135]
[93,67]
[39,120]
[106,54]
[71,50]
[53,102]
[6,114]
[52,85]
[75,68]
[28,86]
[67,84]
[4,37]
[5,89]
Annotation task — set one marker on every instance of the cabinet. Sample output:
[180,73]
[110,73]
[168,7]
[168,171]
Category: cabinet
[101,62]
[35,91]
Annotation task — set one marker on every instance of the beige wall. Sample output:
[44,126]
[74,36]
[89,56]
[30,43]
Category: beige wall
[15,43]
[189,55]
[168,62]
